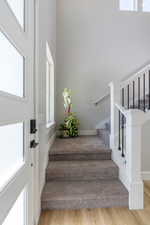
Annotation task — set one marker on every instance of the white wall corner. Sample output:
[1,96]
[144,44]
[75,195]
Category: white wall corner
[42,182]
[145,175]
[50,143]
[136,197]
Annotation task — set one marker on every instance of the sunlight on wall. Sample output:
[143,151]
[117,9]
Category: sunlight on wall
[17,6]
[16,216]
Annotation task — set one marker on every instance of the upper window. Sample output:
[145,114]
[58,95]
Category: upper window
[49,87]
[129,5]
[17,6]
[135,5]
[146,5]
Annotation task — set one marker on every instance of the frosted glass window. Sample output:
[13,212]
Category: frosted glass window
[16,215]
[146,5]
[128,5]
[17,6]
[48,93]
[11,151]
[49,88]
[11,68]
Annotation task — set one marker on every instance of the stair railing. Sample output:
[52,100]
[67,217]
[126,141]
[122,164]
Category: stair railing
[121,130]
[135,91]
[130,100]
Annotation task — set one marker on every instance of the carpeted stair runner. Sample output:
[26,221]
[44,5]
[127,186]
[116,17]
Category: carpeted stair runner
[81,174]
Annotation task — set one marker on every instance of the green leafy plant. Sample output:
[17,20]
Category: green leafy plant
[70,126]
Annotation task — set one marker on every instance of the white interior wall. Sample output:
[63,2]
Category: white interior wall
[96,43]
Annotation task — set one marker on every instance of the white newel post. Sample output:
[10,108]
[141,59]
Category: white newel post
[114,98]
[133,157]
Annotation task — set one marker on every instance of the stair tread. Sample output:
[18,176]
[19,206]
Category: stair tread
[79,145]
[60,190]
[81,170]
[83,165]
[74,194]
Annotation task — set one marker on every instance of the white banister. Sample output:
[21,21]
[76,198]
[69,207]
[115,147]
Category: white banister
[127,81]
[130,164]
[134,121]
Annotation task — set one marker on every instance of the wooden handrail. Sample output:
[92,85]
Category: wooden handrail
[101,99]
[134,76]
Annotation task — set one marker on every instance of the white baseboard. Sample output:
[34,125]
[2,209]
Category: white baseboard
[145,175]
[136,196]
[84,132]
[36,222]
[87,132]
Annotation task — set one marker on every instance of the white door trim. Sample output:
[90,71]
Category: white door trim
[14,109]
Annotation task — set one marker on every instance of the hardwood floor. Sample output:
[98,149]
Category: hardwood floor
[113,216]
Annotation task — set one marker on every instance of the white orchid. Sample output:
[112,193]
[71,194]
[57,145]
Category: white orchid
[67,100]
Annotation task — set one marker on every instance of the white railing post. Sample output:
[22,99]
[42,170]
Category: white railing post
[114,98]
[133,157]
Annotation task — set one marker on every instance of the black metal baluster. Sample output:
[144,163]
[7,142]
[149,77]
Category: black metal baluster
[128,96]
[119,144]
[139,93]
[123,97]
[144,106]
[123,155]
[122,123]
[133,94]
[149,91]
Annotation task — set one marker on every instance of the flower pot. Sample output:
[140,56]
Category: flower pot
[64,134]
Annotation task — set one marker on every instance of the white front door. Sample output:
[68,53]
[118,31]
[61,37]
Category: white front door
[16,110]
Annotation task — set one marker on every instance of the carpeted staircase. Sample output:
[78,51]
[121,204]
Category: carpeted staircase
[81,174]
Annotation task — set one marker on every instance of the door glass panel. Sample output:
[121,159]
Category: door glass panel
[16,215]
[11,68]
[11,151]
[17,6]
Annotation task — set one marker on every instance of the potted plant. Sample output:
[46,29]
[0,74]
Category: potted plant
[70,125]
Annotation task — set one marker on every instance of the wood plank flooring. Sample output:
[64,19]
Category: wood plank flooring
[113,216]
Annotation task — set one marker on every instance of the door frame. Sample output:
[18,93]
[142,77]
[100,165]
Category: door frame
[37,194]
[21,40]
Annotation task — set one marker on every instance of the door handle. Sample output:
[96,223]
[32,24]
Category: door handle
[33,144]
[33,128]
